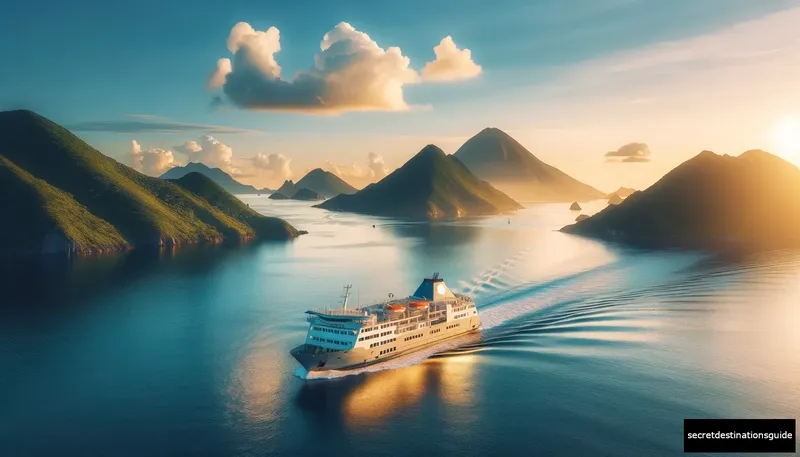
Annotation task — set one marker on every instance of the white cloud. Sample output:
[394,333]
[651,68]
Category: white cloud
[151,161]
[351,73]
[209,151]
[376,166]
[276,164]
[451,63]
[374,170]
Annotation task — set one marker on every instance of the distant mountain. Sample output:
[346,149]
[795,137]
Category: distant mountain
[287,188]
[307,194]
[614,199]
[59,195]
[499,159]
[325,183]
[622,192]
[430,185]
[218,176]
[278,196]
[714,202]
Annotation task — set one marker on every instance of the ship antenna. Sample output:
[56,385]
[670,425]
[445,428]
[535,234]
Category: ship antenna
[346,295]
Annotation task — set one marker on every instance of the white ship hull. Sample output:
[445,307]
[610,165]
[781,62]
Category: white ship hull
[345,339]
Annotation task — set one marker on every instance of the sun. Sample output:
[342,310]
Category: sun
[786,139]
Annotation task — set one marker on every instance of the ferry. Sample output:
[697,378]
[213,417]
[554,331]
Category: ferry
[346,338]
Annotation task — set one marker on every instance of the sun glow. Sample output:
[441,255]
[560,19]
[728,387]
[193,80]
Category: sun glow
[786,139]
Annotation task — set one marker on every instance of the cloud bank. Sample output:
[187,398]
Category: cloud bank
[451,64]
[209,151]
[350,73]
[151,161]
[630,153]
[277,165]
[374,170]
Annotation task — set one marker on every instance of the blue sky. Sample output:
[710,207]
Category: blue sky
[87,62]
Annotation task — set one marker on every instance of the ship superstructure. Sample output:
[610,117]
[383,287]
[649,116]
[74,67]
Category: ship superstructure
[345,338]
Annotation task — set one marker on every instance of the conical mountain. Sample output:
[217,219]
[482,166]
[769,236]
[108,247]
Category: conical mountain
[287,188]
[225,180]
[325,183]
[60,195]
[748,202]
[430,185]
[496,157]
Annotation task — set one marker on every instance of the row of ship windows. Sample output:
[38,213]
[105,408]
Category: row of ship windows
[412,327]
[376,328]
[460,316]
[386,351]
[453,326]
[413,337]
[377,335]
[381,343]
[325,340]
[330,330]
[436,330]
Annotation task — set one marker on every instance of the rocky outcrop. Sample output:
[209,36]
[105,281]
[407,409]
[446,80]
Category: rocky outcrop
[575,207]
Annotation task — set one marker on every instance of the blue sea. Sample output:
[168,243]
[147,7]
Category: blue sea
[587,348]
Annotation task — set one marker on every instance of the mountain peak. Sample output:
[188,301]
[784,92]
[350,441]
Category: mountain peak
[323,182]
[493,131]
[431,150]
[496,157]
[430,185]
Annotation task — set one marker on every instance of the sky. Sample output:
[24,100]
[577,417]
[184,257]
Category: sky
[614,92]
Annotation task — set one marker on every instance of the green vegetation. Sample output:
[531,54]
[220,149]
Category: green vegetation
[218,176]
[430,185]
[712,202]
[325,183]
[498,158]
[61,195]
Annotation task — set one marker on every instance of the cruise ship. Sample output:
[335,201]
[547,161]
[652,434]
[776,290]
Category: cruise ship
[346,338]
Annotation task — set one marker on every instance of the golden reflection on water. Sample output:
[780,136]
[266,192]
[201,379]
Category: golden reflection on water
[255,388]
[385,393]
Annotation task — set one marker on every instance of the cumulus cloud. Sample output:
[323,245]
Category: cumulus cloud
[276,164]
[630,153]
[209,151]
[351,73]
[151,161]
[451,63]
[376,166]
[374,170]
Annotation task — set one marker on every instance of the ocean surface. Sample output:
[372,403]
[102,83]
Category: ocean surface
[587,349]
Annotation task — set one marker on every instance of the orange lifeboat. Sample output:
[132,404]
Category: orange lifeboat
[395,307]
[418,304]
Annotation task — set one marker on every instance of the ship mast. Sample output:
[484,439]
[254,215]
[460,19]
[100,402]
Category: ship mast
[346,295]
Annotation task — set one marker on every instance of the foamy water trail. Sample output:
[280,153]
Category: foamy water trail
[488,279]
[399,362]
[603,277]
[620,275]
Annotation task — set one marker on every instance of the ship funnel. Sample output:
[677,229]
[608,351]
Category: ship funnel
[434,289]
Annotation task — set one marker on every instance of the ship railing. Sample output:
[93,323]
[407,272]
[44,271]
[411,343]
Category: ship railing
[341,312]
